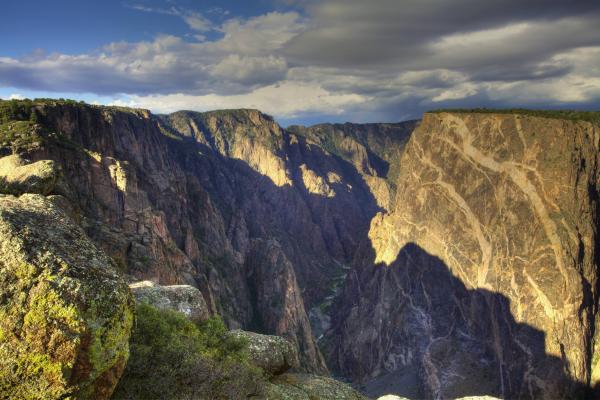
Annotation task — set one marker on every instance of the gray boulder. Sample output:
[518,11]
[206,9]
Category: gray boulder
[273,354]
[182,298]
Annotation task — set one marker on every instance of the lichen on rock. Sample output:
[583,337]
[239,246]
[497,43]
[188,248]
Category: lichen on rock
[65,313]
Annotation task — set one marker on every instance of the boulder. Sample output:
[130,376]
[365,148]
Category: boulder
[65,313]
[310,387]
[183,298]
[18,176]
[273,354]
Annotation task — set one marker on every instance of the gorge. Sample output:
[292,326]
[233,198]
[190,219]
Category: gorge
[442,258]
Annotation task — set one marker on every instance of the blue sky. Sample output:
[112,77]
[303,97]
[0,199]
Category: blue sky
[305,61]
[75,26]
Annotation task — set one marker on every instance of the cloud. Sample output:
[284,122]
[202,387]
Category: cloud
[250,70]
[193,19]
[364,61]
[286,100]
[238,62]
[379,32]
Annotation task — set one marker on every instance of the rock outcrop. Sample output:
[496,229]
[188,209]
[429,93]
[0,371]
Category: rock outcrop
[18,176]
[308,387]
[185,299]
[65,313]
[279,301]
[484,277]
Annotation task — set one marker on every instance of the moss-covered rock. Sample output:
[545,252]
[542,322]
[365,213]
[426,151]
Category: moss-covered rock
[65,313]
[310,387]
[272,354]
[18,176]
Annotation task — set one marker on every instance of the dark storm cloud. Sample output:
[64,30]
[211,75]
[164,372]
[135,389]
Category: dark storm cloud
[392,33]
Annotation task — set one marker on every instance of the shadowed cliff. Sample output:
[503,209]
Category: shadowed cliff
[261,220]
[438,339]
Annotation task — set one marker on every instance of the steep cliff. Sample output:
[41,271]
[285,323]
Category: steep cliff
[483,279]
[263,221]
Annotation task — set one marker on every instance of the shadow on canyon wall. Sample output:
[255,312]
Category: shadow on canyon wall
[418,332]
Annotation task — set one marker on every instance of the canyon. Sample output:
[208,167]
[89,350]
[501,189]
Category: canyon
[448,257]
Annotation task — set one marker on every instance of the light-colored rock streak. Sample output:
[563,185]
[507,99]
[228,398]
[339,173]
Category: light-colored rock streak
[475,224]
[528,189]
[453,195]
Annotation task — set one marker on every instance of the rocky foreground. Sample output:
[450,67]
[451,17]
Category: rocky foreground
[447,258]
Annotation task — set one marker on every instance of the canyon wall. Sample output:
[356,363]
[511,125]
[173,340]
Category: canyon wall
[263,221]
[483,278]
[459,259]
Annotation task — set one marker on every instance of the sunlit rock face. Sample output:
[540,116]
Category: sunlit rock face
[483,279]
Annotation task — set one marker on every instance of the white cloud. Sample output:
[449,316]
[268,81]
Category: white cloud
[457,92]
[243,59]
[260,35]
[250,69]
[285,100]
[197,22]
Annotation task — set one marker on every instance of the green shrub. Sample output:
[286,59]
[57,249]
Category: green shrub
[171,357]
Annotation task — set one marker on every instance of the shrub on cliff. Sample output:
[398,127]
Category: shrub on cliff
[171,357]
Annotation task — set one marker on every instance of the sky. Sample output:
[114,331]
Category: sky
[305,61]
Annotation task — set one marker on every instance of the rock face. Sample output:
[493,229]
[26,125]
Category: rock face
[65,314]
[273,354]
[185,299]
[279,301]
[374,150]
[485,276]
